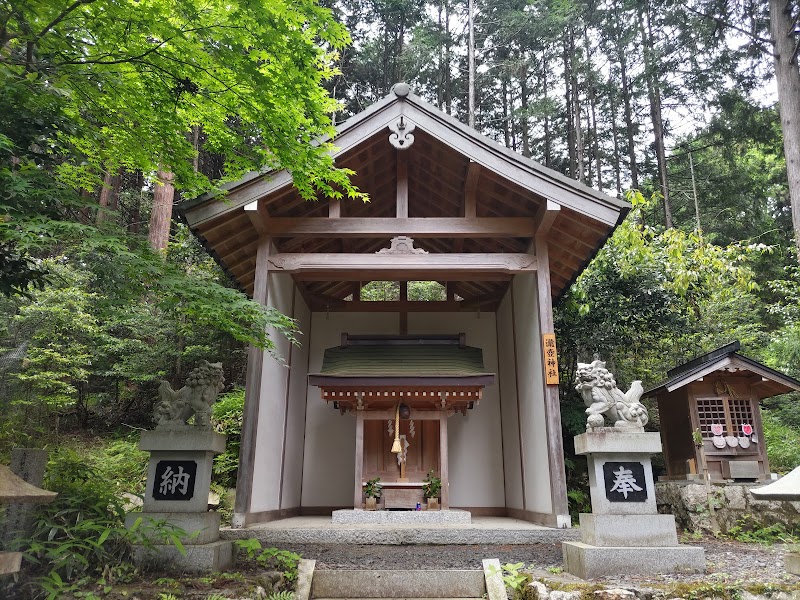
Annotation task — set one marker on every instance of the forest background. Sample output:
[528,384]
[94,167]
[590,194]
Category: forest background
[113,110]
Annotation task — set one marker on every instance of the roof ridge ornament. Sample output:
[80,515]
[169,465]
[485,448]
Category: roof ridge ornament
[402,244]
[402,137]
[401,89]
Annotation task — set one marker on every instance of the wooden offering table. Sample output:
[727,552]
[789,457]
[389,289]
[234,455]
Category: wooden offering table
[402,494]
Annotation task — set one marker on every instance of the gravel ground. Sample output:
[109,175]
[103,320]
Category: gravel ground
[726,561]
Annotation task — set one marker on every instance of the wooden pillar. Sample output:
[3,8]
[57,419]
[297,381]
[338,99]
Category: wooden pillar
[443,459]
[552,407]
[357,490]
[252,394]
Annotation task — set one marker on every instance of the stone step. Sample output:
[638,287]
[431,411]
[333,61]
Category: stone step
[398,584]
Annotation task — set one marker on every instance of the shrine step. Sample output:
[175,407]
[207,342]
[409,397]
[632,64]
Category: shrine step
[397,584]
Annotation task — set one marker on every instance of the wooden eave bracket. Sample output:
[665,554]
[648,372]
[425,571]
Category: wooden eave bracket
[545,217]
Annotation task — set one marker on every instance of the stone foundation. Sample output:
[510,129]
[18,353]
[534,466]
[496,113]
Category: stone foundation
[401,517]
[733,505]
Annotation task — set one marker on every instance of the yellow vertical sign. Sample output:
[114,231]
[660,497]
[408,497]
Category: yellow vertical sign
[550,357]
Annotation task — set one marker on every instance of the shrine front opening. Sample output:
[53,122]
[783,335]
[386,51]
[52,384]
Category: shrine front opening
[402,391]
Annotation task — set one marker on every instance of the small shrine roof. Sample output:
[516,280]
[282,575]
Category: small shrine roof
[727,359]
[402,361]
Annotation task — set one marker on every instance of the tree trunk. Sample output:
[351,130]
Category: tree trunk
[134,218]
[615,137]
[626,100]
[590,82]
[161,216]
[654,95]
[523,93]
[471,66]
[787,76]
[506,132]
[448,92]
[440,73]
[109,195]
[570,119]
[548,161]
[576,113]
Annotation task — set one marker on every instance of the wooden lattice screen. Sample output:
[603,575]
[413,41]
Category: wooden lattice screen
[731,413]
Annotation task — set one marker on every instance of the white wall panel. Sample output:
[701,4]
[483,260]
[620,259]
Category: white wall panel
[531,394]
[475,448]
[329,457]
[272,405]
[296,416]
[507,375]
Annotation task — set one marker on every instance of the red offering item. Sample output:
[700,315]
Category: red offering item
[716,429]
[747,429]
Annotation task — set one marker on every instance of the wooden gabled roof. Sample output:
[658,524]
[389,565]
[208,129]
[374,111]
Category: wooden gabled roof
[453,191]
[727,360]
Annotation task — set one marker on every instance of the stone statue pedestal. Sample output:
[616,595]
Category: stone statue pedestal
[624,534]
[178,483]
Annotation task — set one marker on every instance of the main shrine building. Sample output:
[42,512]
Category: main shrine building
[473,369]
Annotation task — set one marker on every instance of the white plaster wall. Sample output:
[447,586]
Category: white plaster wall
[475,440]
[530,386]
[272,405]
[329,469]
[296,410]
[507,376]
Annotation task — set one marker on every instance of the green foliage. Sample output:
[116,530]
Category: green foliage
[783,443]
[377,291]
[579,502]
[431,485]
[510,572]
[282,595]
[373,488]
[226,414]
[651,299]
[284,561]
[254,91]
[748,529]
[81,536]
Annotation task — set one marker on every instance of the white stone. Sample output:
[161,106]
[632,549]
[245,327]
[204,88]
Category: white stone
[401,517]
[559,595]
[611,439]
[493,574]
[540,590]
[200,528]
[204,558]
[601,504]
[188,438]
[614,594]
[628,530]
[305,575]
[589,562]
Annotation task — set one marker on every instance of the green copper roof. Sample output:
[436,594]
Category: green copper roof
[403,360]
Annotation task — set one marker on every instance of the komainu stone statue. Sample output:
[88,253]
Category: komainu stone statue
[195,398]
[600,394]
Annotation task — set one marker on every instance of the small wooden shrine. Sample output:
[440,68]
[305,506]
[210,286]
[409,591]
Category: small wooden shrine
[718,394]
[402,390]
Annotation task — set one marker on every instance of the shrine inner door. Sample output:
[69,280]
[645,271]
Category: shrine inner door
[422,454]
